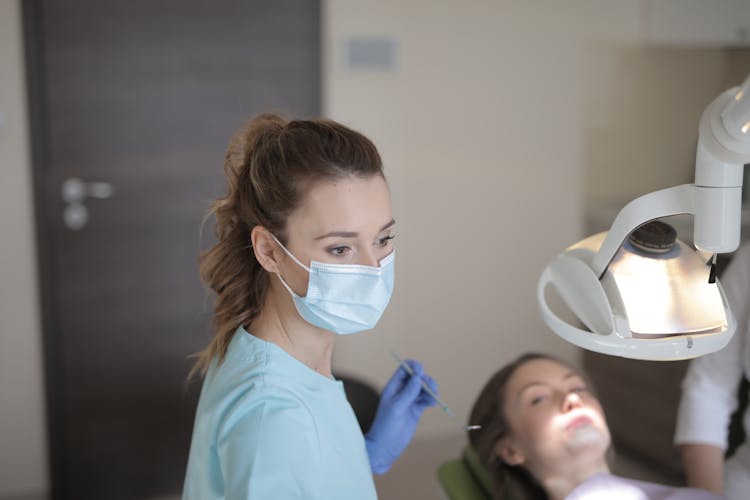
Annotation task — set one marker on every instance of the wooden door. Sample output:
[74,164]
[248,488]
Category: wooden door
[133,103]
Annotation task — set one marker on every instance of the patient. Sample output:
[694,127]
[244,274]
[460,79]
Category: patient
[544,436]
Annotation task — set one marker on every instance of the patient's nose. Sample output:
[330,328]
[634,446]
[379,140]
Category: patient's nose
[572,401]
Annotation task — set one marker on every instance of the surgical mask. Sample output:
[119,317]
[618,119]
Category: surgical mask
[343,298]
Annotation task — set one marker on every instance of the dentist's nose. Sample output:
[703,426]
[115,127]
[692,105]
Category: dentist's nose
[368,258]
[572,401]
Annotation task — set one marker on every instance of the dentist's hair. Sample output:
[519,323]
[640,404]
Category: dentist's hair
[509,481]
[269,164]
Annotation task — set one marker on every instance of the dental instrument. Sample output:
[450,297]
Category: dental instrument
[429,391]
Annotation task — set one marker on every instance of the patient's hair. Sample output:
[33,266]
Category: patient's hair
[509,481]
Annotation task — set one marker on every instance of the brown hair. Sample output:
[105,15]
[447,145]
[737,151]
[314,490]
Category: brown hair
[269,164]
[509,481]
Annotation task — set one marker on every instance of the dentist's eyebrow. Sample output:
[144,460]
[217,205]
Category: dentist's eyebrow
[338,234]
[391,223]
[351,234]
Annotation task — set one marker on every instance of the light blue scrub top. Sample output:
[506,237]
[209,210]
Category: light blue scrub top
[269,427]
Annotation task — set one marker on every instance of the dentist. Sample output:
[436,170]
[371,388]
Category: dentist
[304,253]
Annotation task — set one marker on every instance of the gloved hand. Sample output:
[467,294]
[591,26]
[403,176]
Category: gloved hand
[401,405]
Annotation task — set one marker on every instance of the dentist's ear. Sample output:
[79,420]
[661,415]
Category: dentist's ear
[266,250]
[509,452]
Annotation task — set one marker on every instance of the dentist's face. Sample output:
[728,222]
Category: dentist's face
[347,221]
[553,417]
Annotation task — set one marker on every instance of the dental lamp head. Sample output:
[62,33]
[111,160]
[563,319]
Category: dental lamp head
[641,296]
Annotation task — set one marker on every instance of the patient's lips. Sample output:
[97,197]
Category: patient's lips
[578,421]
[581,431]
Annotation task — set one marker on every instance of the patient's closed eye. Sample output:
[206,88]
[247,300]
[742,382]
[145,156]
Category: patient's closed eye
[537,396]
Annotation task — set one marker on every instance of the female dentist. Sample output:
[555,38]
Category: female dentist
[304,253]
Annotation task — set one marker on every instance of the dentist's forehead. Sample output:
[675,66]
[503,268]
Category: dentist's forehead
[348,205]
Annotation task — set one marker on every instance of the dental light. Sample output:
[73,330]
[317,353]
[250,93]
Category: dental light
[642,293]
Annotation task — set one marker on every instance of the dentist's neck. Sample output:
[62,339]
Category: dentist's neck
[279,323]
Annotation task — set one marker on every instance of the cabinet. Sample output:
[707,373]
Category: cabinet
[697,23]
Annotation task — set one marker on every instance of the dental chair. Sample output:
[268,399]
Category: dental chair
[465,478]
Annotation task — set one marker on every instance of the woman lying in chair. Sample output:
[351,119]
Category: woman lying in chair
[544,436]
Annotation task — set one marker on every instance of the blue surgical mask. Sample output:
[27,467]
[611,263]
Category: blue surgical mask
[343,298]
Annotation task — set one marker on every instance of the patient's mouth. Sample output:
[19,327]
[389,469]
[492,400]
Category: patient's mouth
[585,436]
[579,421]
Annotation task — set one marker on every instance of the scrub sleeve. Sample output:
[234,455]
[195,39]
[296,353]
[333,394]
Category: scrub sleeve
[709,389]
[267,426]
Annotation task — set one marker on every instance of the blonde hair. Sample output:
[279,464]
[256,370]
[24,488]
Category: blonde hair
[269,164]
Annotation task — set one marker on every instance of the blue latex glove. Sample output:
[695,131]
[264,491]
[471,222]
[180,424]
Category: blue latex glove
[401,405]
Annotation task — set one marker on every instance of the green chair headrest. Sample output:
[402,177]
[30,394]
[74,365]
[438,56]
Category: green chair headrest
[478,470]
[465,478]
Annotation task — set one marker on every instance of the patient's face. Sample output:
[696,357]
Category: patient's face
[553,418]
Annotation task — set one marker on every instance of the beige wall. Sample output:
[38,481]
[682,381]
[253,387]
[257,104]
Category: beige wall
[738,66]
[482,128]
[502,122]
[22,429]
[641,123]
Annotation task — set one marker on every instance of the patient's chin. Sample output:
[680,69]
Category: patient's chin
[586,437]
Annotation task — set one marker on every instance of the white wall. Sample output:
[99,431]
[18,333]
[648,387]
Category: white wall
[482,131]
[22,429]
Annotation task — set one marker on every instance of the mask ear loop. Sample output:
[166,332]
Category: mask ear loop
[295,259]
[288,288]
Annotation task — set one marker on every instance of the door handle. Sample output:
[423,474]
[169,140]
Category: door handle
[74,192]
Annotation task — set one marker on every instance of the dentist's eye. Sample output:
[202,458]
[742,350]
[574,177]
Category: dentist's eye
[341,251]
[384,241]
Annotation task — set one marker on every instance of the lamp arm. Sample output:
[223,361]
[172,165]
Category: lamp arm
[723,150]
[716,197]
[715,201]
[675,200]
